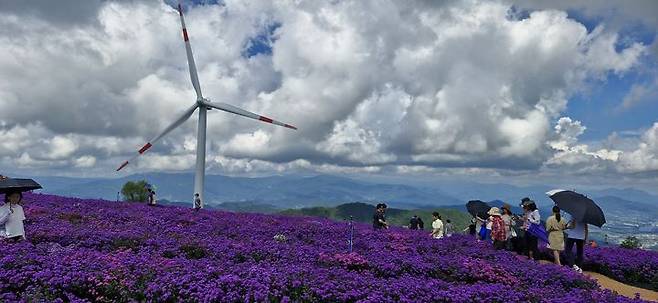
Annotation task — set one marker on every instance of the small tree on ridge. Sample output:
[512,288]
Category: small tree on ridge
[134,191]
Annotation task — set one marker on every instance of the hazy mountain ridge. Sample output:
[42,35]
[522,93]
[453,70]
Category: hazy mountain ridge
[284,192]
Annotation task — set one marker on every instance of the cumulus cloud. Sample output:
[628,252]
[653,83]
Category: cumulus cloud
[464,84]
[575,156]
[645,157]
[615,12]
[636,152]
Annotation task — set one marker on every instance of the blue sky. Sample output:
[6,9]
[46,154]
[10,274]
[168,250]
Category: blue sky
[599,106]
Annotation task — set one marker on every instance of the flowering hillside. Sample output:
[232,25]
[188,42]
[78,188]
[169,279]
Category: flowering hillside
[100,251]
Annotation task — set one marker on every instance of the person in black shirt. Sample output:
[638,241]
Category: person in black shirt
[379,218]
[421,224]
[413,222]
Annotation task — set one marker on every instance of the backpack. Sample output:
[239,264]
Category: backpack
[498,229]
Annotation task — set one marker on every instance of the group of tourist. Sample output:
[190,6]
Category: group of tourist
[520,233]
[508,231]
[439,228]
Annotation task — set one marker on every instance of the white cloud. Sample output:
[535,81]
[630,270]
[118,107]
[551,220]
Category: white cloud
[577,157]
[61,147]
[645,157]
[414,84]
[85,161]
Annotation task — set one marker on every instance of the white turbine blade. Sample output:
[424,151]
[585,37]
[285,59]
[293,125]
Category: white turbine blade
[238,111]
[190,58]
[182,118]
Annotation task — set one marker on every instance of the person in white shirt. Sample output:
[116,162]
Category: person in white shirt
[531,217]
[437,226]
[576,235]
[12,217]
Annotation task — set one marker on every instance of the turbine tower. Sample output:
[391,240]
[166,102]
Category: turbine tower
[203,105]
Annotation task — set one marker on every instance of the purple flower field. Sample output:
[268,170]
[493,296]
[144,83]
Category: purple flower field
[100,251]
[633,266]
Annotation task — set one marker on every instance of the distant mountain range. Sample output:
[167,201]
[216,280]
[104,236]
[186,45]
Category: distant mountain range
[269,194]
[280,191]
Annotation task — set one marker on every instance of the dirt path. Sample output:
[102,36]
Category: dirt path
[621,288]
[616,286]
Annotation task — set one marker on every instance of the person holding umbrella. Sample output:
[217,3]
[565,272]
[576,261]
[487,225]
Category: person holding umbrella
[583,211]
[12,217]
[11,212]
[576,235]
[478,209]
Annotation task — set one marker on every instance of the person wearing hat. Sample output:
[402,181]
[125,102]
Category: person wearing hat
[12,217]
[498,232]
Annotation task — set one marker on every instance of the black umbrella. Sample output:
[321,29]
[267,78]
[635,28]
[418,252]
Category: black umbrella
[581,208]
[9,185]
[478,208]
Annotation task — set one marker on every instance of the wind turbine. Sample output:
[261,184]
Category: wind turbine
[203,105]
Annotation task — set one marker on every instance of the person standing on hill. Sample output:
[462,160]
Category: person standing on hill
[449,228]
[12,217]
[413,222]
[379,218]
[197,202]
[531,217]
[555,226]
[508,219]
[437,226]
[150,198]
[577,235]
[484,233]
[498,232]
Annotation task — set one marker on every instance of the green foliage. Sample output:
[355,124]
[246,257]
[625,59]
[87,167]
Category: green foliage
[134,191]
[631,242]
[193,251]
[324,212]
[126,243]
